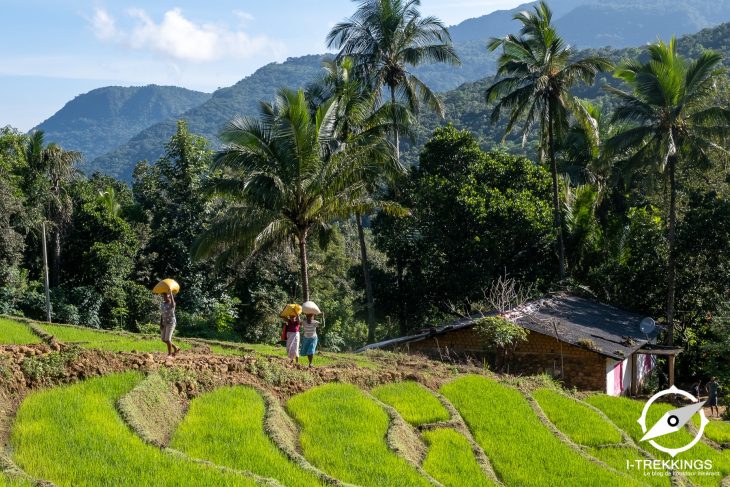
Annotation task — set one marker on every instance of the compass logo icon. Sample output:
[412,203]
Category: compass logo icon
[673,421]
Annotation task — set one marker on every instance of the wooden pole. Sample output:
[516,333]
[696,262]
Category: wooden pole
[671,370]
[634,374]
[45,275]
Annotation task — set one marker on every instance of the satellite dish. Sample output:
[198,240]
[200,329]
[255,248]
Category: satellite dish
[647,325]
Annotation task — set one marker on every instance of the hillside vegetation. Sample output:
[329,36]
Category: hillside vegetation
[98,121]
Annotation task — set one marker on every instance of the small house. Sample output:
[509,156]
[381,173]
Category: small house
[586,344]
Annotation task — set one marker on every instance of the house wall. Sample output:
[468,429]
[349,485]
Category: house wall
[584,369]
[618,374]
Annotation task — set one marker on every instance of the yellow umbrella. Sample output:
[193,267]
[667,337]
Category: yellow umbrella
[166,286]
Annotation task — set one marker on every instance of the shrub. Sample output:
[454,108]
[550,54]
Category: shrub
[501,334]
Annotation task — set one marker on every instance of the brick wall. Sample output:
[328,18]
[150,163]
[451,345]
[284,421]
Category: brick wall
[540,353]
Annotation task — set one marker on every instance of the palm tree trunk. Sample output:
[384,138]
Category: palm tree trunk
[671,237]
[396,135]
[366,278]
[56,269]
[558,221]
[304,264]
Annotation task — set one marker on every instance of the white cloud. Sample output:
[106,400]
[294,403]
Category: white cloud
[180,38]
[243,16]
[103,25]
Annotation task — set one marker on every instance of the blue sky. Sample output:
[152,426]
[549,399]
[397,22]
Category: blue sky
[54,50]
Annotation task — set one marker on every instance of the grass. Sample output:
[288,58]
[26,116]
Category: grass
[625,413]
[343,433]
[73,436]
[590,430]
[16,333]
[152,409]
[413,402]
[226,427]
[104,340]
[522,450]
[73,334]
[451,461]
[6,481]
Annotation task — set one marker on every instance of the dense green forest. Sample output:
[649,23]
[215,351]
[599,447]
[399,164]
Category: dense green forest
[430,227]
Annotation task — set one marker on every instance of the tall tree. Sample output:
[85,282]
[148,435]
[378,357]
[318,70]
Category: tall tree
[171,194]
[385,38]
[538,70]
[51,169]
[287,179]
[670,119]
[355,120]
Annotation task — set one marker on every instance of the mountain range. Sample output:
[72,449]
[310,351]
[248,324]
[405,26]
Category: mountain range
[116,127]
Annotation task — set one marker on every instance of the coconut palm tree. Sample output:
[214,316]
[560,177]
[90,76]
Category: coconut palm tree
[669,119]
[287,179]
[356,120]
[51,168]
[538,70]
[385,38]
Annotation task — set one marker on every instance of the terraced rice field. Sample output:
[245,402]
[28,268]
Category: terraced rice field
[73,435]
[414,402]
[16,333]
[601,439]
[343,433]
[516,441]
[226,427]
[624,412]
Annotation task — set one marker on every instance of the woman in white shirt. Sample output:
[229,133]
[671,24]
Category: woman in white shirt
[309,330]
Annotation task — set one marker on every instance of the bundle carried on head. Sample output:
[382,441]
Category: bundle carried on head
[310,308]
[166,286]
[291,311]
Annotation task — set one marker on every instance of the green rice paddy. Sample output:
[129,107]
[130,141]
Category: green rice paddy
[226,427]
[73,435]
[451,461]
[343,433]
[414,402]
[601,439]
[515,440]
[717,431]
[625,412]
[16,333]
[591,430]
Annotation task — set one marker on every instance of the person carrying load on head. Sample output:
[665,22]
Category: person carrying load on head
[291,329]
[310,325]
[168,288]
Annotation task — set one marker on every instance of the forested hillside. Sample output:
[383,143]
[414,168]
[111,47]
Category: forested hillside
[209,118]
[94,123]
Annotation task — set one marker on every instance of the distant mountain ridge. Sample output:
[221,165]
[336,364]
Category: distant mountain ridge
[209,118]
[94,122]
[584,23]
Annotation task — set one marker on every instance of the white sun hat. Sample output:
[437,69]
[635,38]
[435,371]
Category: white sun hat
[310,308]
